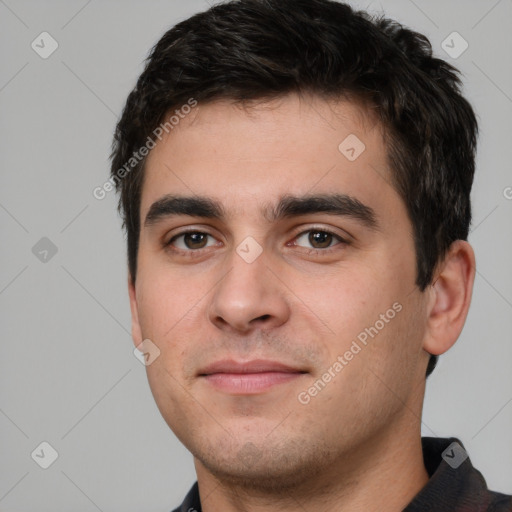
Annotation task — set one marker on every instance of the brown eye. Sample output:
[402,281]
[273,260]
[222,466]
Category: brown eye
[190,240]
[318,239]
[195,240]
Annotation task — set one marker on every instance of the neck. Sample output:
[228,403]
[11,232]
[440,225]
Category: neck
[384,474]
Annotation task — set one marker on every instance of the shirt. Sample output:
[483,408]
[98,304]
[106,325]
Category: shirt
[454,484]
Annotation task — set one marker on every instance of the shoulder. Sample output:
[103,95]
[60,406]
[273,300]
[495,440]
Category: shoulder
[191,503]
[499,502]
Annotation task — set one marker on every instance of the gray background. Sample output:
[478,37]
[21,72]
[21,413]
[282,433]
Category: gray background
[68,374]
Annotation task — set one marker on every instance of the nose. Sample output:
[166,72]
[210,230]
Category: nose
[249,296]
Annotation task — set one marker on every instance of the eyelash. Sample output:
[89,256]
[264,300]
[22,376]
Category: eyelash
[191,253]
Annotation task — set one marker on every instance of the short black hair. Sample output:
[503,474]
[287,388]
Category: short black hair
[247,50]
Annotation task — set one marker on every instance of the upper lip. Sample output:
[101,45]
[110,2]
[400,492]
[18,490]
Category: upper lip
[253,366]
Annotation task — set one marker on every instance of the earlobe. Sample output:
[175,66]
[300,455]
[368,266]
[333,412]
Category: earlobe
[136,330]
[450,298]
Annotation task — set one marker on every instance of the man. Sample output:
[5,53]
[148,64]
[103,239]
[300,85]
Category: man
[295,183]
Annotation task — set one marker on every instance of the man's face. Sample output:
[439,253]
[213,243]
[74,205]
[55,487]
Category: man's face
[307,289]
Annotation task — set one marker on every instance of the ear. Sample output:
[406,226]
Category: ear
[450,298]
[136,330]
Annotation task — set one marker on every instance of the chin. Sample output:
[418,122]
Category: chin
[264,467]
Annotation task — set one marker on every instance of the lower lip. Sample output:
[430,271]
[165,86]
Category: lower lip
[249,383]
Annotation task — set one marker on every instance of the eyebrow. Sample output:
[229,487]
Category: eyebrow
[288,206]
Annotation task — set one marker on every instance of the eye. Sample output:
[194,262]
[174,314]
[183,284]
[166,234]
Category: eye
[319,239]
[315,240]
[190,240]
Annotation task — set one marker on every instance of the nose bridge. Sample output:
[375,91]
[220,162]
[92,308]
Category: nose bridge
[243,285]
[248,290]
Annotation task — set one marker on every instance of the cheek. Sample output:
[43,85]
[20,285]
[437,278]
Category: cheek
[378,363]
[165,300]
[347,301]
[370,317]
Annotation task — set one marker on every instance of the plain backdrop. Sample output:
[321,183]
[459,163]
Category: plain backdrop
[68,376]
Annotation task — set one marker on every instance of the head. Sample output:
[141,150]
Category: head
[259,117]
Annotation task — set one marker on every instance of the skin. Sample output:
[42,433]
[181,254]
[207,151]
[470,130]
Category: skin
[356,445]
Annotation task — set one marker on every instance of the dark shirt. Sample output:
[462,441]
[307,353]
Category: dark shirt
[454,484]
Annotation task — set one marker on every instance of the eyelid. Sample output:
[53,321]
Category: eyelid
[342,240]
[186,231]
[346,237]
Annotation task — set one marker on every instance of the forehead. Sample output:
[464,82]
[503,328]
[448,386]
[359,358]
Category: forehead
[244,154]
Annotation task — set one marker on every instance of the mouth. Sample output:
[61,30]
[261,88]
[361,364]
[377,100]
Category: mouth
[250,377]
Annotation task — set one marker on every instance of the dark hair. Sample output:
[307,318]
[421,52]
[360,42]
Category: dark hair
[262,49]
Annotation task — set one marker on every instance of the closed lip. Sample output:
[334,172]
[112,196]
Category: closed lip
[255,366]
